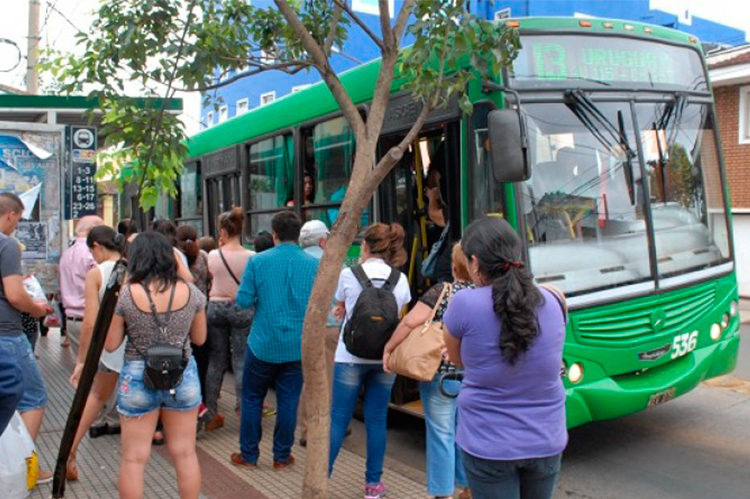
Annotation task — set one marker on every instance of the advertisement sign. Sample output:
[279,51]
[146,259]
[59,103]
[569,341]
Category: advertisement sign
[33,236]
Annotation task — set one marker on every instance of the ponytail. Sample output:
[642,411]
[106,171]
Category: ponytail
[232,221]
[106,237]
[187,242]
[515,300]
[515,297]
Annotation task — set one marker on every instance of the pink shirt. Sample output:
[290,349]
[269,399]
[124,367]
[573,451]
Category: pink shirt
[75,263]
[223,287]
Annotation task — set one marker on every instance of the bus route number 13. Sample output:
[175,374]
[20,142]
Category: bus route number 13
[682,344]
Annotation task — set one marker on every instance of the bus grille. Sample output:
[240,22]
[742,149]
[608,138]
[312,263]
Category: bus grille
[633,323]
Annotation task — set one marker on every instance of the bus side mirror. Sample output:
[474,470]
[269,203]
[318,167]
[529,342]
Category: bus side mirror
[509,151]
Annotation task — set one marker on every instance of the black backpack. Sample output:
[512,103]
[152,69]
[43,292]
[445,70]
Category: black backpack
[374,318]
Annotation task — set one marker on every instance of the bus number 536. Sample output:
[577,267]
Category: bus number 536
[682,344]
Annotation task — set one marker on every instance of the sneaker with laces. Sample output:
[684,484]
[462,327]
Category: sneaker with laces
[374,491]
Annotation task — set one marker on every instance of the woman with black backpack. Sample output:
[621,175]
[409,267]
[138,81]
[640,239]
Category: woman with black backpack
[369,296]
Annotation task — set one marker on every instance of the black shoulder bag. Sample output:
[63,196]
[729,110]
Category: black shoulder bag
[165,363]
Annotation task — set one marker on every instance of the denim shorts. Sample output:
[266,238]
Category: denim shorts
[134,399]
[34,392]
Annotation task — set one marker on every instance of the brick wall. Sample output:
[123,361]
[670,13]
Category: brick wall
[736,155]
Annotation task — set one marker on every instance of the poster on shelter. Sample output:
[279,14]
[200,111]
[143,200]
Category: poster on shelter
[33,236]
[21,164]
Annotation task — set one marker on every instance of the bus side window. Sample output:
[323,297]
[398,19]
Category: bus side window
[333,157]
[270,180]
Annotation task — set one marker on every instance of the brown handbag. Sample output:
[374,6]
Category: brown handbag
[419,355]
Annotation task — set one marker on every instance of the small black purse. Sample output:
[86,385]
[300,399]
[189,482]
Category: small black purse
[165,363]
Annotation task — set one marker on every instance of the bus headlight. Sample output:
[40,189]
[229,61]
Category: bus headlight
[715,331]
[575,372]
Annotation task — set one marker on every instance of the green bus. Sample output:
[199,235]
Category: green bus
[599,146]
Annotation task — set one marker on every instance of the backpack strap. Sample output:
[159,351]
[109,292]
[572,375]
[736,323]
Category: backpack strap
[361,276]
[392,280]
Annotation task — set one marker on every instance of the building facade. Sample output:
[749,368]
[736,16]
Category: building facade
[729,71]
[243,94]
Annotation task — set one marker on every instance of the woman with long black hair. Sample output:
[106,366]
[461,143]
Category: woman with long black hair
[157,311]
[508,334]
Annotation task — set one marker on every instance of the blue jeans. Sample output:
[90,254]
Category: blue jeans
[445,469]
[347,380]
[135,399]
[521,478]
[34,394]
[11,384]
[257,377]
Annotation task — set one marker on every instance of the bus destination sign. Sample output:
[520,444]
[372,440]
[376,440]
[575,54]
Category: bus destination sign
[606,60]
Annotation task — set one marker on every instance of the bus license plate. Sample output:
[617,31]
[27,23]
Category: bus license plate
[660,398]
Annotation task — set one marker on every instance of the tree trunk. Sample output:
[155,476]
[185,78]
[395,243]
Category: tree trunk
[317,385]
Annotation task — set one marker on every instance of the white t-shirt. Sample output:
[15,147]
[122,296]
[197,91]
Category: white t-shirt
[111,360]
[348,291]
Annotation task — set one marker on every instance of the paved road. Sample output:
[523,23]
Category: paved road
[696,446]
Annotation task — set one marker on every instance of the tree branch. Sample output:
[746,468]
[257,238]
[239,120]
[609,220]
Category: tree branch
[385,25]
[403,18]
[395,153]
[167,97]
[326,71]
[296,67]
[385,77]
[354,17]
[332,29]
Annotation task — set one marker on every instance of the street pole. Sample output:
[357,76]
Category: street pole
[32,77]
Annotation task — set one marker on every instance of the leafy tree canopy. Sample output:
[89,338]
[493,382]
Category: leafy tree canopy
[157,47]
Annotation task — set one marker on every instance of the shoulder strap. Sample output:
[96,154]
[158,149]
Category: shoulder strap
[162,326]
[361,276]
[221,254]
[446,288]
[392,280]
[560,297]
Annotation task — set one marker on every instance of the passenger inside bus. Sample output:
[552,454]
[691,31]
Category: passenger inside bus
[438,215]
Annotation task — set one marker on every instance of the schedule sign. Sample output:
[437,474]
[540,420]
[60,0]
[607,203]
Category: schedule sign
[80,195]
[601,60]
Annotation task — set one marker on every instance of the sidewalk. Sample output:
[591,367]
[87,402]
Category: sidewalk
[98,460]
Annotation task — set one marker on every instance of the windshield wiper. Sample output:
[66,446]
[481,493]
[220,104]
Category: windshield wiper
[591,116]
[629,155]
[614,139]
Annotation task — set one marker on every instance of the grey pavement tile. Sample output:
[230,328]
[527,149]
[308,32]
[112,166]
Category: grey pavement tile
[98,460]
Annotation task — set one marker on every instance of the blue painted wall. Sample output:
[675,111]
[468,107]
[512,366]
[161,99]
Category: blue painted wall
[359,48]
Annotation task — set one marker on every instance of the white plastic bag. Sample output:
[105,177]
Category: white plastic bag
[19,464]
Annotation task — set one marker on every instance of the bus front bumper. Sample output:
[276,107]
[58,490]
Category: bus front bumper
[617,396]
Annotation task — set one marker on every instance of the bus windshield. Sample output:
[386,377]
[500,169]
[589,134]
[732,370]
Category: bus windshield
[584,205]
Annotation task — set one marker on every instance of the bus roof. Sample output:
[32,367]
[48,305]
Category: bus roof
[601,25]
[317,101]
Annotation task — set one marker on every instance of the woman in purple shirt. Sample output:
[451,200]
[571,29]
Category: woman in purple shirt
[508,334]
